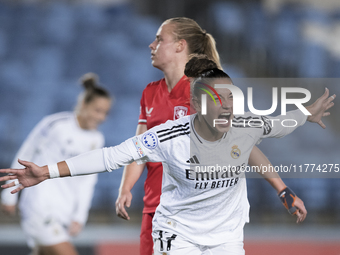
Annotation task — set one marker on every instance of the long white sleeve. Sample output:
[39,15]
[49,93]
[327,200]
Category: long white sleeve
[108,159]
[101,160]
[283,125]
[87,163]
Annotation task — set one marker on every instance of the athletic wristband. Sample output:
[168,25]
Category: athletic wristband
[288,197]
[53,170]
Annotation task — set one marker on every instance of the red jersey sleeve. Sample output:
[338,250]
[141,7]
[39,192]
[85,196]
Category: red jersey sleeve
[142,113]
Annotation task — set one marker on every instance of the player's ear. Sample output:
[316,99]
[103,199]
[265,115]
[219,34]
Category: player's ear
[181,45]
[196,104]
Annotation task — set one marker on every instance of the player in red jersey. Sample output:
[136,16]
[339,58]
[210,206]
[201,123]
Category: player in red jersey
[157,106]
[166,99]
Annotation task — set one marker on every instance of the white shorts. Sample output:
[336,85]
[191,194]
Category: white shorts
[171,244]
[44,231]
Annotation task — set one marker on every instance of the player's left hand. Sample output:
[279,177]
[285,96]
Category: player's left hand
[301,211]
[319,107]
[124,199]
[75,228]
[293,204]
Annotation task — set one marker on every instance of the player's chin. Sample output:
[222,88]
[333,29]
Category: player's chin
[156,64]
[222,128]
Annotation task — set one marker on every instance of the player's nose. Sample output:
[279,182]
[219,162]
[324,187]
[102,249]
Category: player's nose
[152,45]
[227,104]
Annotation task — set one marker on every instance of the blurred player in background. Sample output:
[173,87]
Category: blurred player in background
[166,99]
[56,210]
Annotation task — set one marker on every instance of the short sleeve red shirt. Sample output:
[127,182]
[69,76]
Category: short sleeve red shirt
[157,106]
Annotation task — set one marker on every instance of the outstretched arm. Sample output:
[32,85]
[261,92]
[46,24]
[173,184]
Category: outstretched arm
[96,161]
[87,163]
[296,118]
[257,158]
[30,175]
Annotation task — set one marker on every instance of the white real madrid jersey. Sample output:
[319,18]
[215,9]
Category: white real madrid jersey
[54,139]
[205,207]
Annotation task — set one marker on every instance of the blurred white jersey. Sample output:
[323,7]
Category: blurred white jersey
[54,139]
[203,206]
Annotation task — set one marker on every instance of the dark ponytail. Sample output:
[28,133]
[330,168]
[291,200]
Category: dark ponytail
[90,82]
[203,70]
[197,64]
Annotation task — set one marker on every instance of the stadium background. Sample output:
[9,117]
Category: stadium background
[45,46]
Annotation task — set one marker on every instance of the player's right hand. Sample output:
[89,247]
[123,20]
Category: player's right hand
[29,176]
[9,209]
[124,199]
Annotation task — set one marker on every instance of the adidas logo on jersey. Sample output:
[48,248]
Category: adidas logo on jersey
[193,160]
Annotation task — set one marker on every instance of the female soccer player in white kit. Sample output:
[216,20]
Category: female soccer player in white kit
[56,210]
[199,213]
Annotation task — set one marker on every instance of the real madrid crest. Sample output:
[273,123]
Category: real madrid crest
[235,152]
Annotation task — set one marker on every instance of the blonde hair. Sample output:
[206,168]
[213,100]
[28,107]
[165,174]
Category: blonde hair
[198,40]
